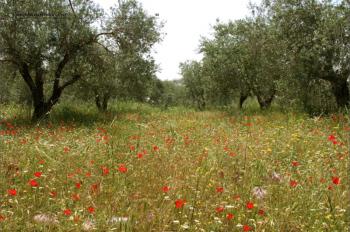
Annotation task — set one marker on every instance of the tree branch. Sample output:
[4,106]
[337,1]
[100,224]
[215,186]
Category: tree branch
[8,61]
[75,78]
[71,6]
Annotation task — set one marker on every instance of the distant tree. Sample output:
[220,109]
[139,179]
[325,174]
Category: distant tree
[195,82]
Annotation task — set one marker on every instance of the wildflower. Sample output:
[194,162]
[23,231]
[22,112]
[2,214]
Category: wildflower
[75,197]
[53,194]
[155,148]
[66,149]
[250,205]
[78,185]
[179,203]
[122,168]
[12,192]
[91,209]
[219,209]
[219,189]
[38,174]
[336,180]
[229,216]
[261,212]
[331,138]
[132,148]
[105,171]
[33,183]
[247,228]
[276,176]
[165,189]
[2,218]
[232,154]
[259,192]
[118,219]
[293,183]
[295,163]
[139,155]
[95,187]
[88,225]
[67,212]
[45,219]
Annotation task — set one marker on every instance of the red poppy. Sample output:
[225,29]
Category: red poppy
[2,218]
[66,149]
[247,228]
[261,212]
[105,171]
[75,197]
[295,163]
[33,183]
[232,154]
[12,192]
[91,209]
[165,189]
[219,189]
[139,155]
[53,194]
[293,183]
[250,205]
[179,203]
[38,174]
[132,148]
[219,209]
[95,187]
[229,216]
[336,180]
[67,212]
[122,168]
[331,137]
[155,148]
[88,174]
[78,185]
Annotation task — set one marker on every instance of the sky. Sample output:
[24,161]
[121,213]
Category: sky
[186,21]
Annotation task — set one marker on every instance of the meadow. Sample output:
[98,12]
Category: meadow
[140,168]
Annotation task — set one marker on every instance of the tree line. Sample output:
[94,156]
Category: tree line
[293,52]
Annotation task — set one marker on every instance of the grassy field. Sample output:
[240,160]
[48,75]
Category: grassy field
[143,169]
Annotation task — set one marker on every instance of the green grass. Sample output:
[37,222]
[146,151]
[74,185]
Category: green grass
[211,160]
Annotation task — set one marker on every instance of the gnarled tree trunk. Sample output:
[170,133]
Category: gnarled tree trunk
[102,103]
[341,93]
[242,98]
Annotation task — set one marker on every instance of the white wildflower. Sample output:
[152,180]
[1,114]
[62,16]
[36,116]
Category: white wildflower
[88,225]
[259,192]
[45,219]
[118,219]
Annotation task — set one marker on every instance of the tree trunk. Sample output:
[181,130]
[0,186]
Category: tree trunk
[102,104]
[242,98]
[265,103]
[341,93]
[40,111]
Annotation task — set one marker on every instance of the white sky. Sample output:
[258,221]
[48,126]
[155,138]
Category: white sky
[185,22]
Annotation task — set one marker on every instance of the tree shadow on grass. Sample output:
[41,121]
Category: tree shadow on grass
[79,115]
